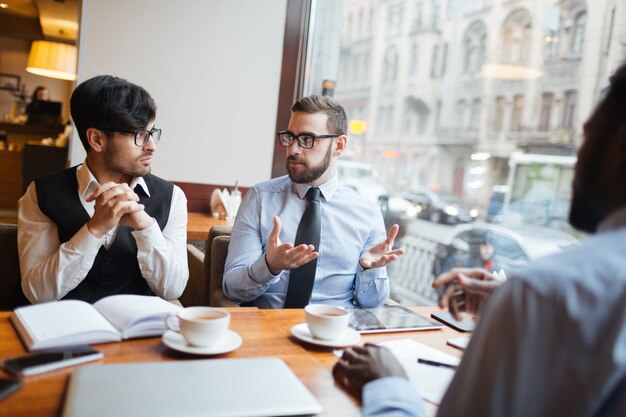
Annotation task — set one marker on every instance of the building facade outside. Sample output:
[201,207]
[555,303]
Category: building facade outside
[441,92]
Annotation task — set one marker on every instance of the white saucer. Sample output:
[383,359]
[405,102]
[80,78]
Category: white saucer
[348,338]
[176,341]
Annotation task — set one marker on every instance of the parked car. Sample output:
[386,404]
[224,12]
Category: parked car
[396,210]
[441,207]
[511,248]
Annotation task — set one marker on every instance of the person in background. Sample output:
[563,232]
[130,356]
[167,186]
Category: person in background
[41,93]
[552,339]
[107,226]
[340,249]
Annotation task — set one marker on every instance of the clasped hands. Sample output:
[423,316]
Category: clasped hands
[116,204]
[280,256]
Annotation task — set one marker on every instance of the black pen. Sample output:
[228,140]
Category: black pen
[435,363]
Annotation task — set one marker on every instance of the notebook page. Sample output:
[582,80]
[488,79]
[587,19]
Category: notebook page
[59,320]
[136,315]
[430,381]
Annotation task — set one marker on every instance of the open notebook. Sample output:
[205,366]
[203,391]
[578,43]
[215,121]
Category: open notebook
[254,387]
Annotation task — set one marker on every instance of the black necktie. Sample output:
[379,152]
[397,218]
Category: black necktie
[301,278]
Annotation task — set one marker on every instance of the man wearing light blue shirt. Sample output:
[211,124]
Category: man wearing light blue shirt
[353,249]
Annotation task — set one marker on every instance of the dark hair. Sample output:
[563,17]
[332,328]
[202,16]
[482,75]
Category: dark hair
[38,89]
[110,103]
[610,114]
[337,119]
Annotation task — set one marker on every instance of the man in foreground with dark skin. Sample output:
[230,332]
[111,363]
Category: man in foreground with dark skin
[551,341]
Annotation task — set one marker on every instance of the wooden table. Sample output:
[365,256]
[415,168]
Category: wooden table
[199,224]
[265,333]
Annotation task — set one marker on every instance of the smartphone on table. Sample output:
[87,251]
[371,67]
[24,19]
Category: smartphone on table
[446,318]
[49,360]
[7,386]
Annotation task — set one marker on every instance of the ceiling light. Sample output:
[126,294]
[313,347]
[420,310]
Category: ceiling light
[4,6]
[52,59]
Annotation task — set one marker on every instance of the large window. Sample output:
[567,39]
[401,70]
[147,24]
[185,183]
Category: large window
[453,104]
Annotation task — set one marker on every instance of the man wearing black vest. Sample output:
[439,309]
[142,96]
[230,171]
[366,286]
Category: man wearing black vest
[107,226]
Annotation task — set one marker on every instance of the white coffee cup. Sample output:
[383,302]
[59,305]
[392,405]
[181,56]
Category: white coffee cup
[200,326]
[326,322]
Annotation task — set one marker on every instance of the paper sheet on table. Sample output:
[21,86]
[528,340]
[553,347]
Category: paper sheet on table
[430,381]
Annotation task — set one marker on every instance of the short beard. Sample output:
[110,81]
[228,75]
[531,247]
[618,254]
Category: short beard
[310,174]
[110,160]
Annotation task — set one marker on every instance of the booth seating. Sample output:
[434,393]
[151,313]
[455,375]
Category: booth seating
[206,271]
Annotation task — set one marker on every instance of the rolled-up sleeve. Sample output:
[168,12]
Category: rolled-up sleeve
[371,286]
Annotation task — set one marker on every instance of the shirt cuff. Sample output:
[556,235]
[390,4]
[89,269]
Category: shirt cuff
[388,394]
[260,273]
[150,234]
[86,242]
[370,274]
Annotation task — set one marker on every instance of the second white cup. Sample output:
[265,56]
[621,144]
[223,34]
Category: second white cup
[200,326]
[326,322]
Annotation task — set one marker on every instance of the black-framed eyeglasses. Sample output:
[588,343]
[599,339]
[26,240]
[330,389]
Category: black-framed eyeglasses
[305,141]
[142,136]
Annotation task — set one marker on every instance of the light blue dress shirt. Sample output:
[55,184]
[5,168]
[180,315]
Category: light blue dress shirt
[550,342]
[350,226]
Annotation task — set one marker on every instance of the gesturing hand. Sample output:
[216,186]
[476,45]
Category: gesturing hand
[466,290]
[382,253]
[112,201]
[360,365]
[280,256]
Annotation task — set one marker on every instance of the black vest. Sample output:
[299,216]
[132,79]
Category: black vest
[116,270]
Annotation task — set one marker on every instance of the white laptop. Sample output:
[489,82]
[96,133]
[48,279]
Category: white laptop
[256,387]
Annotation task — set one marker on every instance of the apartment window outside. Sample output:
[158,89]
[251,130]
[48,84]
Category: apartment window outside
[418,20]
[433,61]
[578,33]
[475,41]
[435,15]
[569,108]
[394,21]
[457,131]
[390,69]
[518,111]
[461,114]
[498,117]
[516,38]
[474,120]
[546,111]
[444,59]
[361,23]
[415,51]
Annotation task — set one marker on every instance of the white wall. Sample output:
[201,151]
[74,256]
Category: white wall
[13,59]
[213,67]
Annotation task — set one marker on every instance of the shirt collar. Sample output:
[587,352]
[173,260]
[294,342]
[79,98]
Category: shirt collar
[87,183]
[615,220]
[327,189]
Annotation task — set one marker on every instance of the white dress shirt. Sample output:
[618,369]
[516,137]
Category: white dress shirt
[50,269]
